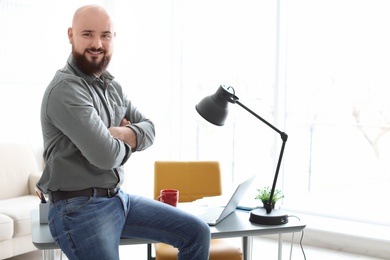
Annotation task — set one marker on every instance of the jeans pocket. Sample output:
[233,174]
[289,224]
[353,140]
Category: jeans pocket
[75,204]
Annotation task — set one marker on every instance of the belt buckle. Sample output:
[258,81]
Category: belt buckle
[111,192]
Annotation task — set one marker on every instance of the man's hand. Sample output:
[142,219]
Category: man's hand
[124,133]
[125,122]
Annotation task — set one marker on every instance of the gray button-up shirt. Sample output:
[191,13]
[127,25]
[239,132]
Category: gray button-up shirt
[79,151]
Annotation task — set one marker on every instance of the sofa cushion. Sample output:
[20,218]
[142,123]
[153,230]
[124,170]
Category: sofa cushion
[17,162]
[6,227]
[19,210]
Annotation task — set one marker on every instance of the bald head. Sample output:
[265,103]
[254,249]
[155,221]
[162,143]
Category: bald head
[88,14]
[91,36]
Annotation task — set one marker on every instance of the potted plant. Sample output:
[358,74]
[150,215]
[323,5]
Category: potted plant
[265,193]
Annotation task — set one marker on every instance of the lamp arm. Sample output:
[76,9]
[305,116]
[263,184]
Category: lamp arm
[259,117]
[268,205]
[283,136]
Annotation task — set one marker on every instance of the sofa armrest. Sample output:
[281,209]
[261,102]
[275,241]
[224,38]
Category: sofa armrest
[32,181]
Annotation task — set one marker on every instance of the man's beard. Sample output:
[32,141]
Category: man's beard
[88,67]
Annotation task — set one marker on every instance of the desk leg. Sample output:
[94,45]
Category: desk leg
[280,246]
[48,254]
[247,243]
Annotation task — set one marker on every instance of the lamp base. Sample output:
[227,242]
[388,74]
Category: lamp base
[275,217]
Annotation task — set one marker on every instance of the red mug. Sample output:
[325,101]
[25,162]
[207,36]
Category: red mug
[170,197]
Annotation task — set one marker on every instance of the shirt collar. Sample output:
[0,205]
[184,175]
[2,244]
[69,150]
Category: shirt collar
[89,78]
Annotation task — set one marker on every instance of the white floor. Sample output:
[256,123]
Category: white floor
[262,249]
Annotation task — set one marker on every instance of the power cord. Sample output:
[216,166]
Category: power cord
[300,241]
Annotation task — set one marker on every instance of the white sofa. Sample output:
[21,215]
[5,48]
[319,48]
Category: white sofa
[19,172]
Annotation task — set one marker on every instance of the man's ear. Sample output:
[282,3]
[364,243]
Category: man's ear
[70,34]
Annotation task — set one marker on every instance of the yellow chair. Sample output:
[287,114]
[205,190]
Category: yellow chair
[194,180]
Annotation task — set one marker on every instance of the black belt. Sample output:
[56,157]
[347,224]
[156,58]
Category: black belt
[91,192]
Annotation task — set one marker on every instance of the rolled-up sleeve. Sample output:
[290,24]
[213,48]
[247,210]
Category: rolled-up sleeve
[142,127]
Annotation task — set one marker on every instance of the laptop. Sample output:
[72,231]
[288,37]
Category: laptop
[214,215]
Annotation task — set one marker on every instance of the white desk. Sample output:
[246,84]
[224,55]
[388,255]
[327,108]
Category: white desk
[235,225]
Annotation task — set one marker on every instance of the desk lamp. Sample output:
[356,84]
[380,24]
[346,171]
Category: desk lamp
[214,109]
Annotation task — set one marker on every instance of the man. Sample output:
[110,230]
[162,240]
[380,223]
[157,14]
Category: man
[90,129]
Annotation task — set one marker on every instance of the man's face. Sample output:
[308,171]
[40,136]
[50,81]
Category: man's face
[92,41]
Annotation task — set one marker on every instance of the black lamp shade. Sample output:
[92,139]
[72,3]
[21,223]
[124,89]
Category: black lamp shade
[214,108]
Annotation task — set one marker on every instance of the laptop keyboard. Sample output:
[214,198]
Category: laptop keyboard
[211,214]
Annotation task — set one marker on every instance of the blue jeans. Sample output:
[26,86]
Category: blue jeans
[91,227]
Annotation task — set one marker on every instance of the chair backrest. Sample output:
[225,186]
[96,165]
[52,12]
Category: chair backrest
[193,179]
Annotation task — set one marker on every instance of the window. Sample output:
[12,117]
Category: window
[338,110]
